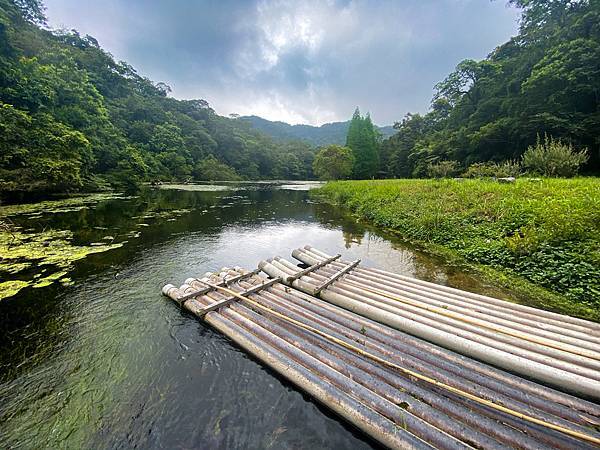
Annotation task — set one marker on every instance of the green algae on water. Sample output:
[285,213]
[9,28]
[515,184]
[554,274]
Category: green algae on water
[35,210]
[47,281]
[10,288]
[40,258]
[23,253]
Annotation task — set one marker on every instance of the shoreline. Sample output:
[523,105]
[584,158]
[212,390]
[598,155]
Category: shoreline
[465,223]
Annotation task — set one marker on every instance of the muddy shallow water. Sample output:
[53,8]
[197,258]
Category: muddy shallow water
[96,357]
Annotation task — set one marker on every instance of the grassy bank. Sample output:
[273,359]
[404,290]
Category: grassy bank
[541,238]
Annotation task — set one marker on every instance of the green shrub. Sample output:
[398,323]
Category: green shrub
[553,158]
[211,169]
[333,162]
[443,169]
[493,169]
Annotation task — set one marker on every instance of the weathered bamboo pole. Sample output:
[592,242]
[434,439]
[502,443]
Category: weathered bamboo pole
[480,378]
[558,319]
[362,385]
[463,414]
[345,405]
[376,388]
[491,374]
[544,437]
[285,318]
[449,303]
[474,388]
[578,379]
[584,361]
[518,332]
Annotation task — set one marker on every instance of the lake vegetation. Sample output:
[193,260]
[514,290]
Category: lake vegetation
[74,119]
[543,230]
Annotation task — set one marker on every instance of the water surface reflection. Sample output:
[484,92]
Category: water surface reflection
[109,363]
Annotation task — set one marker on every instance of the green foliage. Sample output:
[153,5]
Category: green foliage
[31,11]
[362,140]
[210,169]
[61,165]
[73,118]
[553,158]
[493,170]
[328,133]
[334,162]
[443,169]
[544,80]
[547,232]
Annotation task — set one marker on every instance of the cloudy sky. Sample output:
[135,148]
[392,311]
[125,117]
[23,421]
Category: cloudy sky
[302,61]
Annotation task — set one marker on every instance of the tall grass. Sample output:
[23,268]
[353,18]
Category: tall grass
[553,158]
[545,231]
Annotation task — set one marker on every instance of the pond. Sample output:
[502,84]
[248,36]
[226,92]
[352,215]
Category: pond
[94,356]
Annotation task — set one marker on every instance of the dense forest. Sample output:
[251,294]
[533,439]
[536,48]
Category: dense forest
[544,81]
[328,133]
[72,118]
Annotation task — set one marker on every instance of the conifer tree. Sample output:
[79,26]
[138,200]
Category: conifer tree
[362,139]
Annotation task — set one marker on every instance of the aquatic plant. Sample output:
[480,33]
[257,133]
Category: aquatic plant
[40,257]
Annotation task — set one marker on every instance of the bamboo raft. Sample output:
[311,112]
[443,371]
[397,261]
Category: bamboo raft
[339,333]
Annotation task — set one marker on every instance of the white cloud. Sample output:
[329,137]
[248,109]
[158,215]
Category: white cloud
[299,61]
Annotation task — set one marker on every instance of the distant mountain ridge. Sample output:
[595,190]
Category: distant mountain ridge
[329,133]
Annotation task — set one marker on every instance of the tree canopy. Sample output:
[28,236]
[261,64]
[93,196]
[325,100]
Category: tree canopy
[334,162]
[73,118]
[545,80]
[362,140]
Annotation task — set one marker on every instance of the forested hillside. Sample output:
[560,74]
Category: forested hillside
[72,118]
[329,133]
[545,80]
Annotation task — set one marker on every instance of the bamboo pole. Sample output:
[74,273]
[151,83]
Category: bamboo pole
[558,319]
[557,350]
[460,412]
[520,383]
[359,275]
[450,303]
[410,373]
[478,377]
[577,379]
[342,403]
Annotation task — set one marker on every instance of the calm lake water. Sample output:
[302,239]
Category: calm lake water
[108,362]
